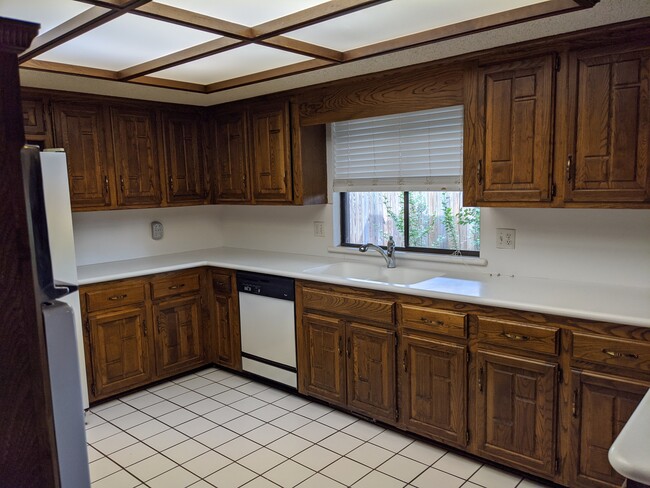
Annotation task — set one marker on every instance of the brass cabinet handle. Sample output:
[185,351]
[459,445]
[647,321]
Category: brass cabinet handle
[171,185]
[479,171]
[574,404]
[480,379]
[405,361]
[340,346]
[349,349]
[219,283]
[569,163]
[515,337]
[144,327]
[122,183]
[106,184]
[117,297]
[626,355]
[439,323]
[176,287]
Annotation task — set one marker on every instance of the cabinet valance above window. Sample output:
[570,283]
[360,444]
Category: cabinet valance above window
[420,150]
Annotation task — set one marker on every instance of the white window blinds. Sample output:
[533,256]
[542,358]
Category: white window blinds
[411,151]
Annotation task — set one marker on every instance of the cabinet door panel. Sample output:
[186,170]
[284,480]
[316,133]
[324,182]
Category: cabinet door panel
[136,160]
[320,350]
[516,410]
[434,388]
[371,370]
[227,336]
[119,347]
[232,164]
[612,127]
[179,343]
[602,406]
[184,159]
[80,130]
[515,107]
[271,158]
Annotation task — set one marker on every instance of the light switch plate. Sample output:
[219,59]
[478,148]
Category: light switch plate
[319,228]
[506,238]
[157,230]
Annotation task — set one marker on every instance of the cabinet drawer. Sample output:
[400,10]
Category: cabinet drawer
[174,285]
[114,297]
[524,336]
[221,283]
[358,308]
[438,321]
[612,352]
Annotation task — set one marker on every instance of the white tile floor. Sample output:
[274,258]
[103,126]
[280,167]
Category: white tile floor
[216,429]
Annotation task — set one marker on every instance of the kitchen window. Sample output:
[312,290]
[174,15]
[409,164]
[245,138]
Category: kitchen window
[401,175]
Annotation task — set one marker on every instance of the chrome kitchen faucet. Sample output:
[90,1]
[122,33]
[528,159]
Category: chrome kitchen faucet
[388,254]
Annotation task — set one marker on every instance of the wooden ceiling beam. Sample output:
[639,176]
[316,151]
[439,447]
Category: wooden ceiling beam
[311,16]
[172,84]
[76,26]
[501,19]
[194,20]
[69,69]
[267,75]
[303,48]
[180,57]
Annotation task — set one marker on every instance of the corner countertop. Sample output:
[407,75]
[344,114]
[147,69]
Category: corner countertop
[630,452]
[618,304]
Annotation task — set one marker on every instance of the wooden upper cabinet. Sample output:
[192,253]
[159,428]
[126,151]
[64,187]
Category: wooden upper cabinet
[609,133]
[80,128]
[515,410]
[515,105]
[185,168]
[136,157]
[371,370]
[271,153]
[231,158]
[601,405]
[35,121]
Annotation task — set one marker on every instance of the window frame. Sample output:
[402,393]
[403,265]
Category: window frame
[429,250]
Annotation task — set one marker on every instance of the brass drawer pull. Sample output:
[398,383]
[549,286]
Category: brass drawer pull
[515,337]
[625,355]
[439,323]
[176,287]
[219,283]
[117,297]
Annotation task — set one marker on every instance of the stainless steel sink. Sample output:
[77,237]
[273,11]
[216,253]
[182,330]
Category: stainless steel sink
[374,273]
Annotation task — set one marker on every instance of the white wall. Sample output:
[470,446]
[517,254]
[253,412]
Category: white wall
[126,234]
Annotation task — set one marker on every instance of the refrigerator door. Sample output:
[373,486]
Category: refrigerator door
[58,215]
[63,362]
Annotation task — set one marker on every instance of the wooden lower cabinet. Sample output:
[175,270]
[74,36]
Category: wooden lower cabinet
[226,335]
[601,405]
[119,346]
[433,383]
[516,411]
[321,369]
[178,334]
[371,370]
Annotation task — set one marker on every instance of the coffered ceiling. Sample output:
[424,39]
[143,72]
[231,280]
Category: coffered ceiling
[207,46]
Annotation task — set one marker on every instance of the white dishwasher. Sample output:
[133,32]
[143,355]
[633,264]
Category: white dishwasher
[268,326]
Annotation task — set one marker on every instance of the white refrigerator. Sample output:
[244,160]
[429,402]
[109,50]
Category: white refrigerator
[50,224]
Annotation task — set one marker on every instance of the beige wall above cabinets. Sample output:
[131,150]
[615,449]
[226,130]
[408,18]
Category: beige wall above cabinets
[557,122]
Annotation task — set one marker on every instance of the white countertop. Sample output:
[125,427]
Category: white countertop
[618,304]
[630,453]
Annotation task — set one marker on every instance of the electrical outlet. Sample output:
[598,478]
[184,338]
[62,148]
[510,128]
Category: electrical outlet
[506,238]
[319,228]
[157,230]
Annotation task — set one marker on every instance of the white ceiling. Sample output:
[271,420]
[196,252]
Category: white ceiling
[133,39]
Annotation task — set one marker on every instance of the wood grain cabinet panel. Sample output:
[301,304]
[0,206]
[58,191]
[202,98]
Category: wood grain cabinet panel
[179,335]
[231,155]
[609,160]
[185,168]
[515,103]
[433,387]
[515,411]
[120,350]
[226,334]
[371,370]
[136,157]
[321,371]
[601,405]
[36,122]
[81,130]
